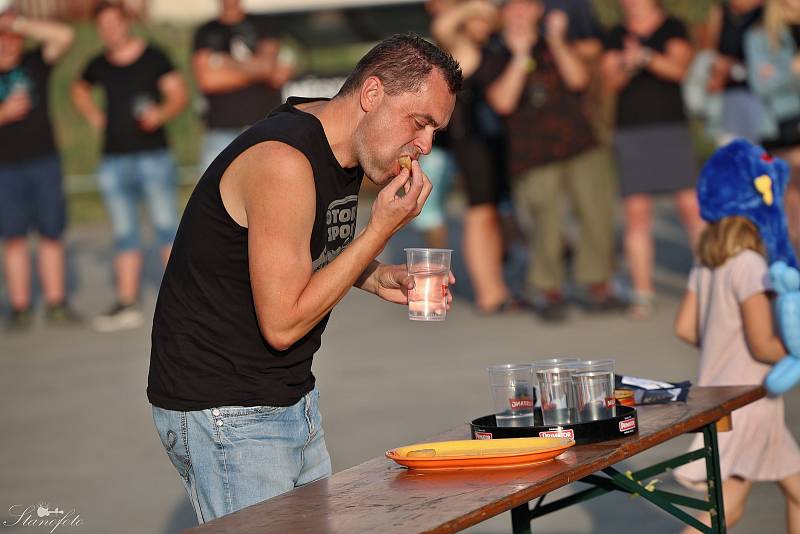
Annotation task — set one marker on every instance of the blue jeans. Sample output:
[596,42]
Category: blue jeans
[232,456]
[124,180]
[215,141]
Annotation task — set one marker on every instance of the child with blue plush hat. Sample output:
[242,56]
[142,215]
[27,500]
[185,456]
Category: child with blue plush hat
[727,313]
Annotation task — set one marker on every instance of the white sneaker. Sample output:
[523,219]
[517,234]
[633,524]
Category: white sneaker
[119,317]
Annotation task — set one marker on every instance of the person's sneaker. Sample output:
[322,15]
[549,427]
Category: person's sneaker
[20,320]
[62,314]
[552,307]
[119,317]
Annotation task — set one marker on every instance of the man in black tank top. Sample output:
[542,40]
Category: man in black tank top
[265,250]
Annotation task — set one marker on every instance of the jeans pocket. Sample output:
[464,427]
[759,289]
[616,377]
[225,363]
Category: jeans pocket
[243,416]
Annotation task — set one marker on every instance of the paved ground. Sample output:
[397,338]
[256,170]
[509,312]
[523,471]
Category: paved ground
[77,432]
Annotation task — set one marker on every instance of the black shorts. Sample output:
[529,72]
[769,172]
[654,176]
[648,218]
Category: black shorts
[483,165]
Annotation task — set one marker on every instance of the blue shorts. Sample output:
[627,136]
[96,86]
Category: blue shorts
[32,196]
[150,175]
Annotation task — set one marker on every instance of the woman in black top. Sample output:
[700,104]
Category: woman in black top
[646,59]
[464,30]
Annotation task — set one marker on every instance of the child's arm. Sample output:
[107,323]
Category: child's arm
[686,319]
[764,344]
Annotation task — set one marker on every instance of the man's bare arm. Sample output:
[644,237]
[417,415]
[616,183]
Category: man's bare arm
[279,201]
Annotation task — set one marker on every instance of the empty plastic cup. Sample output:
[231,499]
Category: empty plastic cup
[512,394]
[430,268]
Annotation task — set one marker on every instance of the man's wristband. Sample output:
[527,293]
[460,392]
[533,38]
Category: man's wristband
[527,63]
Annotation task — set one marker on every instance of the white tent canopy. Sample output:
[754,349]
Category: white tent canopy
[195,10]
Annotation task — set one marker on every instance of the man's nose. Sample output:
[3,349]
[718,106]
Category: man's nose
[424,142]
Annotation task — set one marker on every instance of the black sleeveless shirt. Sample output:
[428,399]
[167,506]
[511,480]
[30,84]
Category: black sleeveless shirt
[207,348]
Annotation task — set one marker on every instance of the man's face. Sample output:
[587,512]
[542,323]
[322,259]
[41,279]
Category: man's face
[113,28]
[522,14]
[230,5]
[398,125]
[11,46]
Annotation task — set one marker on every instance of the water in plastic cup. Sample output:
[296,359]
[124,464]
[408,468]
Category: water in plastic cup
[594,381]
[512,393]
[557,393]
[430,268]
[552,376]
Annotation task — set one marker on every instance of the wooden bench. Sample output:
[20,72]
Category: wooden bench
[380,496]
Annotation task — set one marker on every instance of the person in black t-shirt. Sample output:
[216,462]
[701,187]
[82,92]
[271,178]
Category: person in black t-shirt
[237,67]
[30,171]
[646,60]
[266,248]
[143,91]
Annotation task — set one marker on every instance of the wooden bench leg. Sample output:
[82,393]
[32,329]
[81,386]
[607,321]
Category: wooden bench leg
[521,519]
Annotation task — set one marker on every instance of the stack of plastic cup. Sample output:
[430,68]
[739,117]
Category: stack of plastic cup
[594,380]
[555,380]
[512,393]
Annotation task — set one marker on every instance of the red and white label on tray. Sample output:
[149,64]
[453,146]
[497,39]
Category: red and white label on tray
[521,403]
[627,425]
[483,435]
[563,433]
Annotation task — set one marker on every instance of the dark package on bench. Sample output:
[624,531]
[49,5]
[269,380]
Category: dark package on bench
[648,391]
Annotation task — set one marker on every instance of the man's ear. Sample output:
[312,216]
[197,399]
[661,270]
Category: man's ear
[371,93]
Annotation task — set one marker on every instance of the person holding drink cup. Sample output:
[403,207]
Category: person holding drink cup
[265,250]
[30,171]
[143,92]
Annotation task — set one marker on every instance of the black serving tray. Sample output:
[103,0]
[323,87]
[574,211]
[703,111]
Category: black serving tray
[623,423]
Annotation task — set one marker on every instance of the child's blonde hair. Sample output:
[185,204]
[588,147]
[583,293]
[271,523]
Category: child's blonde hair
[726,238]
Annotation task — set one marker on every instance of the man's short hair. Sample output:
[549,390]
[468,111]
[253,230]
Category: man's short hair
[402,62]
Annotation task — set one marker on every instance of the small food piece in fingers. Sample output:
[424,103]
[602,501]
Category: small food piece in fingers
[405,163]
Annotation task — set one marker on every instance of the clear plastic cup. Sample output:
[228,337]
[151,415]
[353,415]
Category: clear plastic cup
[562,371]
[594,380]
[512,394]
[430,268]
[557,392]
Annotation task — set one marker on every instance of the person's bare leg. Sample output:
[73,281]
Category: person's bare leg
[734,497]
[689,211]
[51,270]
[639,245]
[483,254]
[166,250]
[17,263]
[128,268]
[792,200]
[436,237]
[790,487]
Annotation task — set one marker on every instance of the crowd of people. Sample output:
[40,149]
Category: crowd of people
[522,140]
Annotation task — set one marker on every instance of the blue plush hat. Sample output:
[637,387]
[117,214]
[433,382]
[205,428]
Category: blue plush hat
[742,179]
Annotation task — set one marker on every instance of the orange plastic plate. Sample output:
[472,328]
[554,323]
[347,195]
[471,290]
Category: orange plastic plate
[472,454]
